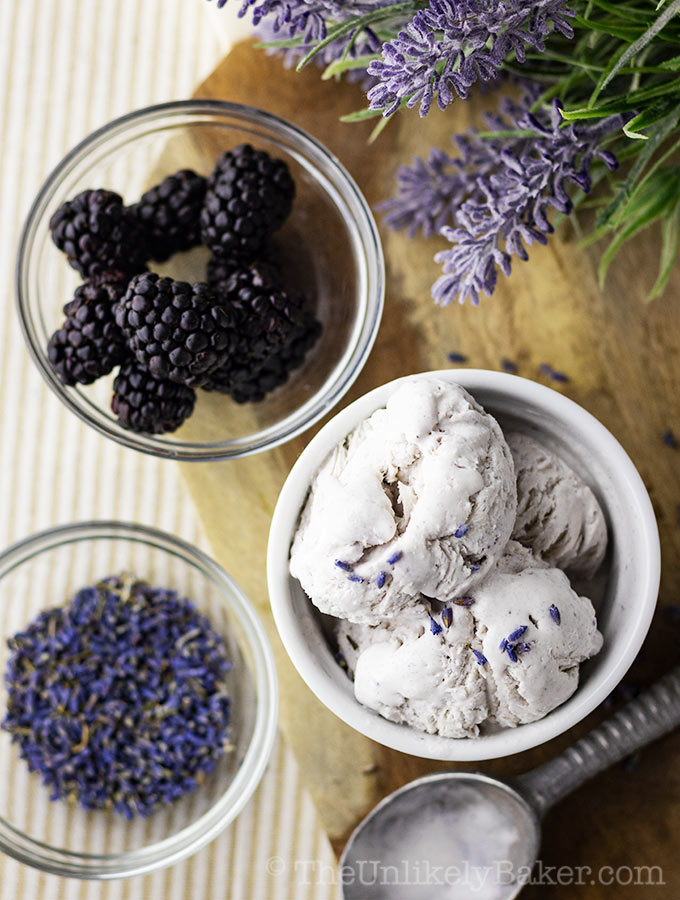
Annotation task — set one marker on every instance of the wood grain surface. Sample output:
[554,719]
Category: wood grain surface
[623,360]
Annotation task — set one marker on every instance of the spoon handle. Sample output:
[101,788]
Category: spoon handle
[649,716]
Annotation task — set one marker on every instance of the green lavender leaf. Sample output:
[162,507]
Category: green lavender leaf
[672,65]
[660,196]
[670,240]
[657,137]
[628,53]
[658,110]
[339,66]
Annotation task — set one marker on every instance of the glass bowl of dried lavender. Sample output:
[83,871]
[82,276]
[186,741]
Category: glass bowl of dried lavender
[139,703]
[278,372]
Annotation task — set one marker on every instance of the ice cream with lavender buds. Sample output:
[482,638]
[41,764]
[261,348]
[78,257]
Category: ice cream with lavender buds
[444,622]
[418,500]
[558,515]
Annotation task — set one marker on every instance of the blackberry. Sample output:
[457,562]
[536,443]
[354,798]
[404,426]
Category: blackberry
[143,403]
[266,314]
[102,240]
[170,213]
[89,344]
[250,383]
[220,268]
[179,331]
[249,196]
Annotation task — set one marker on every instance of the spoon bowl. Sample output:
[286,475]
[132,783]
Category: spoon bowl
[447,835]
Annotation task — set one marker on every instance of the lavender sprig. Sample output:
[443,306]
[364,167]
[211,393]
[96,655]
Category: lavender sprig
[508,207]
[308,19]
[452,44]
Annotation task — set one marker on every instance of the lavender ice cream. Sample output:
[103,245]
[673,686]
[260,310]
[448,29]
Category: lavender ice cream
[418,500]
[444,622]
[558,515]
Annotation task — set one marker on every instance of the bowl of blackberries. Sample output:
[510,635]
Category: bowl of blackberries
[200,280]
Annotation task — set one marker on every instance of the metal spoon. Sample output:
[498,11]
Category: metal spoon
[395,851]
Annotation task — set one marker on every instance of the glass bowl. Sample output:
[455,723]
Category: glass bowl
[45,570]
[329,247]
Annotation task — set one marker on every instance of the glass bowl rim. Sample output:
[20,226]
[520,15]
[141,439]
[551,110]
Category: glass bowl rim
[362,224]
[224,810]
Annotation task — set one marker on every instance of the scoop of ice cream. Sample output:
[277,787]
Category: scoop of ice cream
[419,670]
[418,500]
[534,632]
[516,558]
[558,515]
[509,657]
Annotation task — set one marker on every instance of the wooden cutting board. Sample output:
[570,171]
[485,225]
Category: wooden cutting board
[623,361]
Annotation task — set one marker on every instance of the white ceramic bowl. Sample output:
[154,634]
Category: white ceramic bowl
[624,611]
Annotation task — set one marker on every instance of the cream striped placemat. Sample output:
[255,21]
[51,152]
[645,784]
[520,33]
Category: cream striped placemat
[66,68]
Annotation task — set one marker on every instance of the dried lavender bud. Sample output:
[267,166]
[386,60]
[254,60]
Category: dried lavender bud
[461,531]
[381,579]
[522,647]
[355,578]
[508,366]
[464,601]
[341,564]
[552,373]
[435,627]
[510,650]
[395,558]
[447,617]
[481,659]
[456,358]
[670,439]
[118,699]
[555,614]
[517,634]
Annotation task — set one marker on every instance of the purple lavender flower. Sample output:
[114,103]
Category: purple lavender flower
[447,616]
[381,579]
[508,204]
[481,659]
[309,20]
[428,194]
[555,614]
[452,44]
[461,531]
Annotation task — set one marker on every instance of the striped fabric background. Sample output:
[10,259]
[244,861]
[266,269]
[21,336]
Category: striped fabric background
[66,68]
